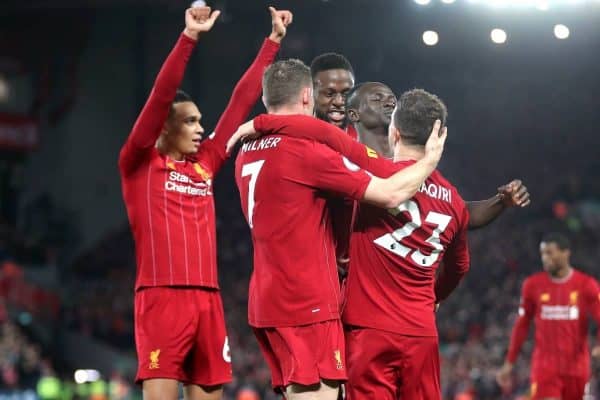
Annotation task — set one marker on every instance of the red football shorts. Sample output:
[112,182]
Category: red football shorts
[559,387]
[303,354]
[180,334]
[387,366]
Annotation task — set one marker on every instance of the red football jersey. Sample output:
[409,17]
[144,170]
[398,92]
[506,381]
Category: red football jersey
[352,132]
[169,203]
[394,256]
[561,311]
[284,185]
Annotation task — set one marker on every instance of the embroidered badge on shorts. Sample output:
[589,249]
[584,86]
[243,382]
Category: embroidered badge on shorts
[154,359]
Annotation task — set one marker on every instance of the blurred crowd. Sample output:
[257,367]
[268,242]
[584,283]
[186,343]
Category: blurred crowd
[21,360]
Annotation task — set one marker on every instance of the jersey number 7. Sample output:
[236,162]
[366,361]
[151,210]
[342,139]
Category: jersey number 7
[252,169]
[391,241]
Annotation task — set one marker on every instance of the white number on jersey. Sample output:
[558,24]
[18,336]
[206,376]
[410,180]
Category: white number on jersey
[226,350]
[252,169]
[391,241]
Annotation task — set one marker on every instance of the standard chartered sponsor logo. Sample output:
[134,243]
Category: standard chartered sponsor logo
[181,183]
[560,312]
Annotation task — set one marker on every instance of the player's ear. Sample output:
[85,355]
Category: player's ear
[165,127]
[306,95]
[168,125]
[353,115]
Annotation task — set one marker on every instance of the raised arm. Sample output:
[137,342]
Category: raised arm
[310,128]
[513,194]
[248,90]
[387,193]
[149,124]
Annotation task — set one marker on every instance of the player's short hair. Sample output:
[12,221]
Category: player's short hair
[180,97]
[283,81]
[416,113]
[562,242]
[328,61]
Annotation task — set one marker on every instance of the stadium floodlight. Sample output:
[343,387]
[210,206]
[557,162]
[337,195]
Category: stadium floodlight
[430,38]
[561,31]
[423,2]
[498,36]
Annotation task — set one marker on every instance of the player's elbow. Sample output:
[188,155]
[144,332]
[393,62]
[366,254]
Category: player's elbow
[398,197]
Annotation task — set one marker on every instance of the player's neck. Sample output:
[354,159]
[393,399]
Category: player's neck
[164,149]
[563,273]
[376,139]
[404,153]
[293,109]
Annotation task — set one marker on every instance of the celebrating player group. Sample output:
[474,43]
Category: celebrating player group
[357,237]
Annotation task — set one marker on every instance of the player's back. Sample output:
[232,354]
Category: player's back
[294,281]
[394,255]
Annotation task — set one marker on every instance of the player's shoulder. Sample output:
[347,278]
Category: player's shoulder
[536,279]
[584,277]
[439,179]
[271,145]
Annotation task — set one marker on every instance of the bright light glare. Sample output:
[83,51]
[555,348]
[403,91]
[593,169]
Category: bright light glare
[561,31]
[448,1]
[86,375]
[4,89]
[80,376]
[498,36]
[423,2]
[430,38]
[539,4]
[542,5]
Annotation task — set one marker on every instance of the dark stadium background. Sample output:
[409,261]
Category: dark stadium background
[74,74]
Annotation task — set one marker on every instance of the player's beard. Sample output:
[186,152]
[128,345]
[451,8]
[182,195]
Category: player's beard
[324,117]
